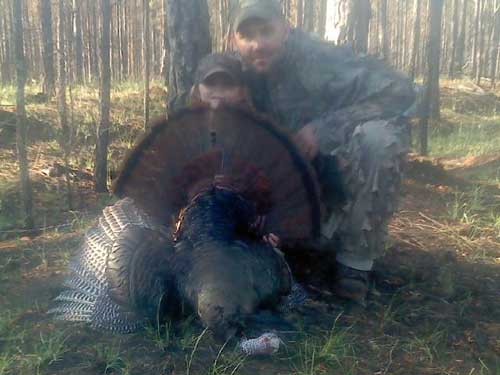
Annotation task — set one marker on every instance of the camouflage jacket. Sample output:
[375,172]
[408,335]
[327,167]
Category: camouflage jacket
[318,82]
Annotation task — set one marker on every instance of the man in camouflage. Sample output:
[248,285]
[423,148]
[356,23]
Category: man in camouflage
[336,104]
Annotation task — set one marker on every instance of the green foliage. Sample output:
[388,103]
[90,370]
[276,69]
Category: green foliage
[462,134]
[109,359]
[330,352]
[48,350]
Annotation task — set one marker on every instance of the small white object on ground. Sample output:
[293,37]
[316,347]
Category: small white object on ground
[266,344]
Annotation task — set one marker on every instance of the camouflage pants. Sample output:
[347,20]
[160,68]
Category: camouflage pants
[370,166]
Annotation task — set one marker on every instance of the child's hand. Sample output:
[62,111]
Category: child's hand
[272,239]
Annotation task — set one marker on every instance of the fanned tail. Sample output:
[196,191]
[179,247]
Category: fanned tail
[88,297]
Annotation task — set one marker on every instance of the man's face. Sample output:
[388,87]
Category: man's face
[261,42]
[219,89]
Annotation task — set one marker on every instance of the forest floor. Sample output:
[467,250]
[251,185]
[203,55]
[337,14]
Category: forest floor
[435,303]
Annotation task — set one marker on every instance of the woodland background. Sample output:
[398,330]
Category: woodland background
[79,83]
[60,44]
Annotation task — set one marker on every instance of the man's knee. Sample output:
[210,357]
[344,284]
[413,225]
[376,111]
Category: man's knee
[382,139]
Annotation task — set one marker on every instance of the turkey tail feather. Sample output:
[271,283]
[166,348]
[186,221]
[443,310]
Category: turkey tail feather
[92,284]
[243,151]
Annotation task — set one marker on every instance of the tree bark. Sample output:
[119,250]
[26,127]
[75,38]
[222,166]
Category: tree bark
[322,18]
[124,42]
[454,39]
[300,13]
[93,37]
[146,43]
[101,163]
[189,40]
[355,23]
[495,44]
[63,111]
[308,24]
[77,41]
[430,105]
[164,63]
[383,28]
[45,12]
[8,63]
[434,58]
[416,40]
[21,137]
[460,52]
[476,31]
[482,34]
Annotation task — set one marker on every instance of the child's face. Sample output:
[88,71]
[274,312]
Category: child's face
[220,88]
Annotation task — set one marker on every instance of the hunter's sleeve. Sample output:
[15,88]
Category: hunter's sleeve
[360,90]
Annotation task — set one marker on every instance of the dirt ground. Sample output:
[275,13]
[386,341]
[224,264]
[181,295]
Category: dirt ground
[434,307]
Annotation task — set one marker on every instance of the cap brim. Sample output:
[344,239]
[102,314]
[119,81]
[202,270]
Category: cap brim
[218,70]
[245,15]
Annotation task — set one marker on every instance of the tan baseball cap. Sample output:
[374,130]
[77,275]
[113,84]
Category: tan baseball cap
[246,9]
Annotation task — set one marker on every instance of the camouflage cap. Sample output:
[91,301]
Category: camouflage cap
[219,63]
[246,9]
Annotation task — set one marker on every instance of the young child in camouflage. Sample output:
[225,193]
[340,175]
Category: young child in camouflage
[218,81]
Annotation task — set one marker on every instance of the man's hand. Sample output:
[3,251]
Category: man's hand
[306,140]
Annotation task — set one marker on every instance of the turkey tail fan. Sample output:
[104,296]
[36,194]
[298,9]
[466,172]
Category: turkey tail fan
[103,288]
[198,148]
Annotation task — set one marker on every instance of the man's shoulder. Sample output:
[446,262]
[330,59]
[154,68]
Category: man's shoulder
[307,46]
[317,62]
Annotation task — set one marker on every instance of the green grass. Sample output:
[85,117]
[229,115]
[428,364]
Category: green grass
[331,351]
[477,210]
[227,362]
[49,349]
[109,359]
[465,135]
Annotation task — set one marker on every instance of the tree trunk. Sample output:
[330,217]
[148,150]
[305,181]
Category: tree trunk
[146,44]
[22,153]
[363,16]
[300,13]
[430,105]
[416,39]
[309,15]
[476,31]
[124,42]
[77,41]
[164,60]
[454,38]
[101,163]
[63,111]
[385,32]
[434,58]
[189,40]
[482,33]
[460,52]
[322,18]
[495,44]
[45,12]
[93,37]
[6,62]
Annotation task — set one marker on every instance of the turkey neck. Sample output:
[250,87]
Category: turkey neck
[217,215]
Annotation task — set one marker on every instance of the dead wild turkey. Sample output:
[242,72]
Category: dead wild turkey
[181,233]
